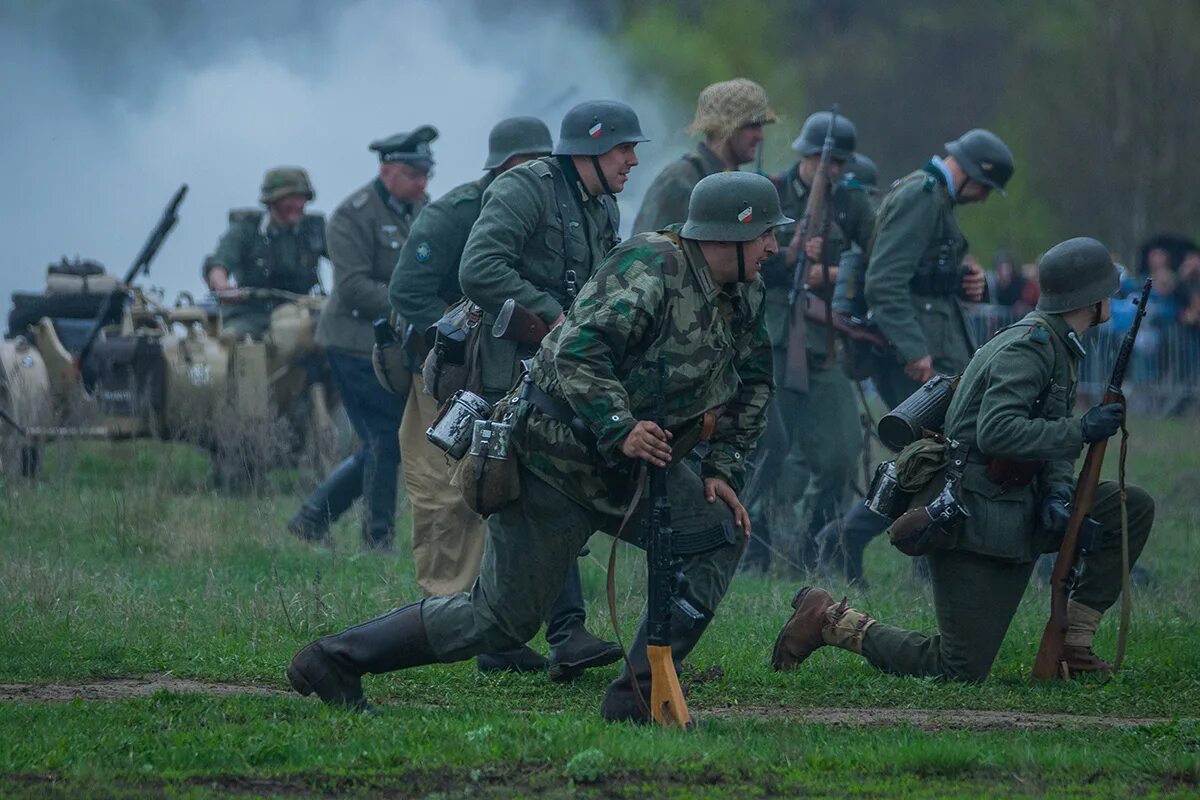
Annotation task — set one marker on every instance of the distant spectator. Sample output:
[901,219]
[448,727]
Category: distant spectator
[1008,284]
[1033,288]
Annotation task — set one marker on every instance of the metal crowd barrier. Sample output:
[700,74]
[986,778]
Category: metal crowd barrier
[1166,365]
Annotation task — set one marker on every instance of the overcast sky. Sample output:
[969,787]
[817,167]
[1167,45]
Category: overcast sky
[104,117]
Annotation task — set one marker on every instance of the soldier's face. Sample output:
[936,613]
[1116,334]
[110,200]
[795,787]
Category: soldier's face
[743,145]
[286,211]
[758,251]
[616,164]
[808,168]
[404,181]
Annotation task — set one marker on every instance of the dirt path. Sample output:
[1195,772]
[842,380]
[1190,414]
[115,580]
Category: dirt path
[931,719]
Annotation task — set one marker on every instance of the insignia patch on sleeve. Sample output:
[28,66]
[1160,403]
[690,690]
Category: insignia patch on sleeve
[1039,334]
[423,252]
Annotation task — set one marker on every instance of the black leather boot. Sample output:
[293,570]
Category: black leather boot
[332,667]
[328,501]
[572,648]
[521,659]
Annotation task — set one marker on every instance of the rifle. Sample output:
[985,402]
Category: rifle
[519,324]
[11,420]
[140,264]
[667,589]
[1049,662]
[815,222]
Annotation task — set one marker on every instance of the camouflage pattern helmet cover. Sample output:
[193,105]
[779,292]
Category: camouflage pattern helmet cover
[812,136]
[724,108]
[594,127]
[517,136]
[1075,274]
[281,182]
[733,207]
[862,170]
[984,157]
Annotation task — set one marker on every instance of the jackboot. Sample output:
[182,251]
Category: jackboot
[332,667]
[328,501]
[621,702]
[1082,624]
[818,620]
[521,659]
[572,648]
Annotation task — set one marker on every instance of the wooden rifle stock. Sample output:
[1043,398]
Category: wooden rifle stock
[814,223]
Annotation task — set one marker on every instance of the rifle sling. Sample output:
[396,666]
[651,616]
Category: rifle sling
[1126,583]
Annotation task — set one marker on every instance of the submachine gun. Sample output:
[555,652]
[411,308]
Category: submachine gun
[667,589]
[814,223]
[1080,527]
[140,264]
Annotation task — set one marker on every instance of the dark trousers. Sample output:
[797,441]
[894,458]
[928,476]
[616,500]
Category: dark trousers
[375,414]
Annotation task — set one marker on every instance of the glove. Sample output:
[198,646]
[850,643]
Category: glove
[1102,421]
[1056,509]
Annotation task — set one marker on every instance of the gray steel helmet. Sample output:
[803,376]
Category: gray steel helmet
[517,136]
[733,207]
[280,182]
[812,136]
[597,126]
[1075,274]
[984,157]
[862,170]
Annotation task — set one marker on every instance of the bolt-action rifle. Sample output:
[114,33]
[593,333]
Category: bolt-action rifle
[1049,662]
[140,264]
[814,223]
[667,589]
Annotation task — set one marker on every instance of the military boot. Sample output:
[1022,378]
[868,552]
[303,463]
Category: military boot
[818,620]
[332,667]
[622,702]
[1082,624]
[572,648]
[521,659]
[329,501]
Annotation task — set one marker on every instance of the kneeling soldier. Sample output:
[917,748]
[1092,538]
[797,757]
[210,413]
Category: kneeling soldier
[1013,405]
[687,295]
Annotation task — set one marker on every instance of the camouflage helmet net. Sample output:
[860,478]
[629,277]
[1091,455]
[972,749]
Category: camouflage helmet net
[724,107]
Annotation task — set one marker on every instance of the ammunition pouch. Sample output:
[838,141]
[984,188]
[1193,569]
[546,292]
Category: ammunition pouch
[453,362]
[938,278]
[489,477]
[1009,474]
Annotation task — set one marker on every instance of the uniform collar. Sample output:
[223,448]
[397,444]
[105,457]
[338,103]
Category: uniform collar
[1065,333]
[941,170]
[711,161]
[699,266]
[398,207]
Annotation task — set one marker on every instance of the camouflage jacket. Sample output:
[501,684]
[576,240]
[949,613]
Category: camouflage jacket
[850,223]
[666,201]
[526,247]
[913,275]
[257,254]
[652,298]
[1014,402]
[425,280]
[365,236]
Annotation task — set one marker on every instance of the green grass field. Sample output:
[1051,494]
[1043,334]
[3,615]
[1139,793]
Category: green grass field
[120,563]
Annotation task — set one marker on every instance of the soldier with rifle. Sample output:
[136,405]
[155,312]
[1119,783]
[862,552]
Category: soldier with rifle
[583,427]
[915,285]
[280,248]
[1012,413]
[730,115]
[817,450]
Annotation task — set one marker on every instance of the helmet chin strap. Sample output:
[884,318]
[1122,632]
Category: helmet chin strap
[600,176]
[741,255]
[1096,309]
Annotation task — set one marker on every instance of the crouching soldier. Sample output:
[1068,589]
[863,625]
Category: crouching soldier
[1013,410]
[688,295]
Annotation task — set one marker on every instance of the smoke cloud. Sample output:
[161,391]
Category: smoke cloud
[104,119]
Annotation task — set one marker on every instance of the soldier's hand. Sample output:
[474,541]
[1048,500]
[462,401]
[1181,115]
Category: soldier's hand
[1056,513]
[816,275]
[714,488]
[218,279]
[1102,421]
[920,370]
[648,442]
[973,282]
[814,248]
